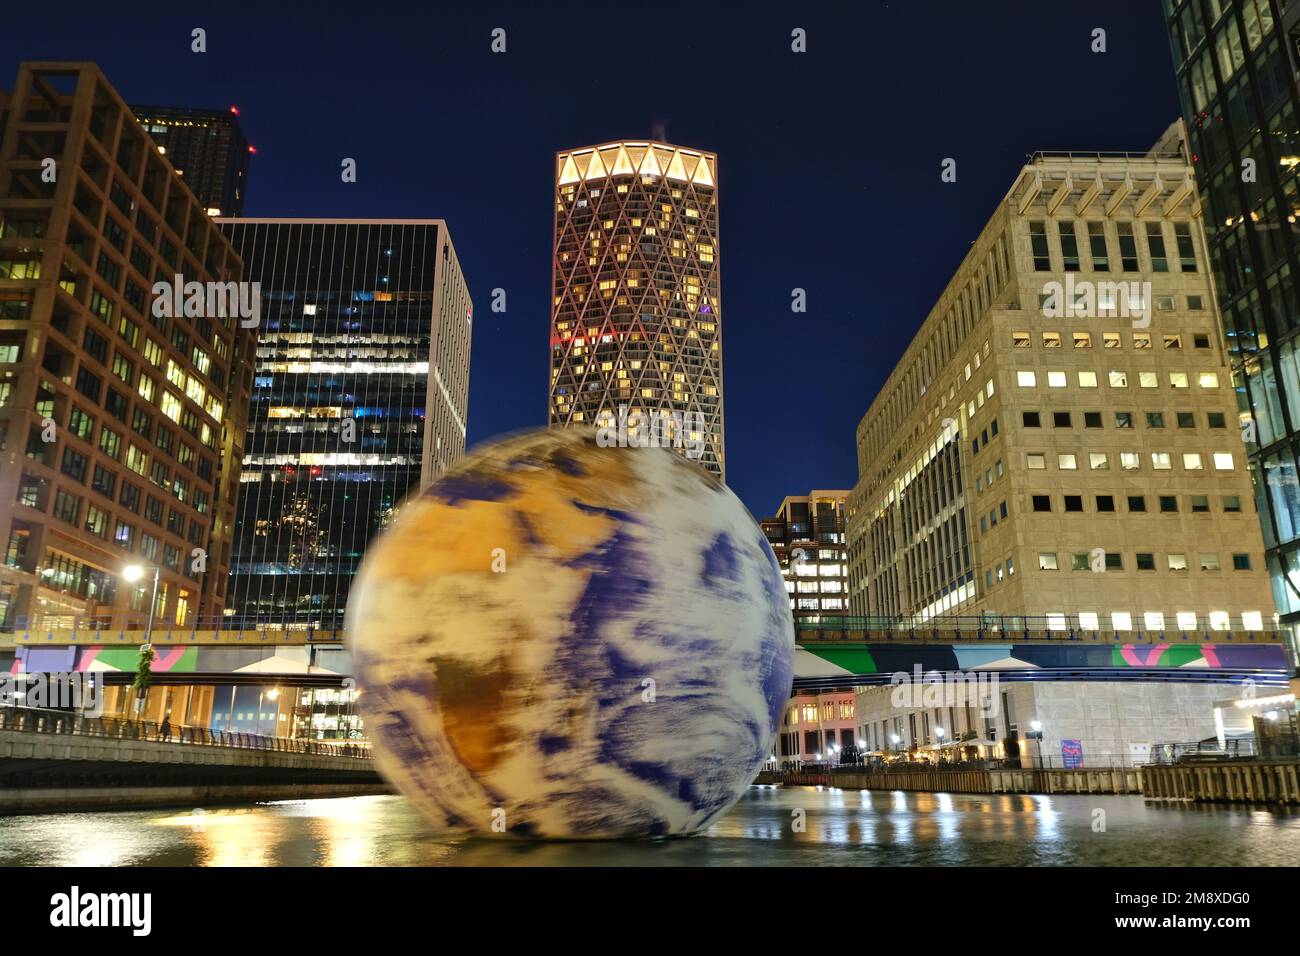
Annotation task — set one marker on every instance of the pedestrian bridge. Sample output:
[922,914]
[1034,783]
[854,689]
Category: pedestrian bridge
[835,652]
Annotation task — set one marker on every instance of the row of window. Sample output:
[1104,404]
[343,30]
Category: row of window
[1129,461]
[1137,504]
[1143,560]
[1027,378]
[1109,340]
[1099,255]
[1122,419]
[68,508]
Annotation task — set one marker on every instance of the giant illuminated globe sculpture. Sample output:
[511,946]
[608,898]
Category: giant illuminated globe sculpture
[561,640]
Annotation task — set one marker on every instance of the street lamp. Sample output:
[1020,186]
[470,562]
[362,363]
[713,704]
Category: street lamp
[1036,733]
[133,573]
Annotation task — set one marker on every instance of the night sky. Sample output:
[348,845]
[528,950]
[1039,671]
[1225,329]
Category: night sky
[829,161]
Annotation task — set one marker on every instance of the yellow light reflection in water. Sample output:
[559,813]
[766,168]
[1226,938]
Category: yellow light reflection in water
[225,837]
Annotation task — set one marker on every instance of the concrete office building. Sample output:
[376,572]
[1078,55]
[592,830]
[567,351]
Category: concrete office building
[121,427]
[1060,439]
[1057,456]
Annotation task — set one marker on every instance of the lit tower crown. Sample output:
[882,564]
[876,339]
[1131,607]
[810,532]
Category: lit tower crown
[636,316]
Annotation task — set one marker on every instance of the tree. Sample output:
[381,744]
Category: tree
[143,675]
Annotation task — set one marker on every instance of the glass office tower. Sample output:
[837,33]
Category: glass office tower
[359,399]
[1235,61]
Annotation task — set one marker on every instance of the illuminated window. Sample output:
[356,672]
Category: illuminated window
[171,406]
[175,374]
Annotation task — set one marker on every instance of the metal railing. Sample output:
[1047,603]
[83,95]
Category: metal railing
[1064,627]
[41,721]
[93,629]
[1100,154]
[1026,761]
[1238,748]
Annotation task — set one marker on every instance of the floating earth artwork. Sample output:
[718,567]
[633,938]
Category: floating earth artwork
[560,640]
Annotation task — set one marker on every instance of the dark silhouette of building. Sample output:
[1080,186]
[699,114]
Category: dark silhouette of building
[208,149]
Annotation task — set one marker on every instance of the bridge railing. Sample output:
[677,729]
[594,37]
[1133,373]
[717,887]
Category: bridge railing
[42,721]
[1189,628]
[93,630]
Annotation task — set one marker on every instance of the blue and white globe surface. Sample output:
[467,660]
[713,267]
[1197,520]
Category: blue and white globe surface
[560,640]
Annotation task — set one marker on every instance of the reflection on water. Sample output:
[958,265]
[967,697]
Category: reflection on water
[867,828]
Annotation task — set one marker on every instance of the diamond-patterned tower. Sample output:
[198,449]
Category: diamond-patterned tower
[636,315]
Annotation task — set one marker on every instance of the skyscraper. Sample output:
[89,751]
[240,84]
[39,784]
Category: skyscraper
[1236,66]
[636,315]
[120,422]
[359,399]
[208,149]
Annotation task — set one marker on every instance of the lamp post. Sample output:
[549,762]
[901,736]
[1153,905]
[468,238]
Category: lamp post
[1036,733]
[133,573]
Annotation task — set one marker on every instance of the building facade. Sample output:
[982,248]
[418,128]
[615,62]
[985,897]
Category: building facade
[636,315]
[359,399]
[807,534]
[121,423]
[816,729]
[1094,724]
[1236,69]
[1059,442]
[207,148]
